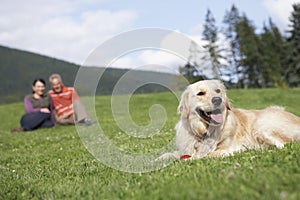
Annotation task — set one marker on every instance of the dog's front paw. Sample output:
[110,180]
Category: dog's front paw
[169,155]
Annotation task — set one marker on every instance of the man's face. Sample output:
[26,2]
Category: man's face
[56,85]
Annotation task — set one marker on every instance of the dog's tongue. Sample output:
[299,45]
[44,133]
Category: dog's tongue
[217,117]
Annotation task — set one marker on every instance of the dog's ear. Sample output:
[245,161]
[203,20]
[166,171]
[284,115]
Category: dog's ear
[227,101]
[183,107]
[228,106]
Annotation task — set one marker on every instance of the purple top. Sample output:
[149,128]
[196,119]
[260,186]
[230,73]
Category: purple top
[29,108]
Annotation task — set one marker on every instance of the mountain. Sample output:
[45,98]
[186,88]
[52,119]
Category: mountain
[19,68]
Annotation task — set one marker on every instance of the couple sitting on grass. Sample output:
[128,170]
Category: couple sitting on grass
[40,107]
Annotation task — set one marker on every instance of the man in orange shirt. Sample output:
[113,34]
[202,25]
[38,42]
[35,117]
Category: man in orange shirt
[66,103]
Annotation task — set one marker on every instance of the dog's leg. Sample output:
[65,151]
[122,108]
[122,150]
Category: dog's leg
[174,155]
[268,138]
[208,146]
[209,143]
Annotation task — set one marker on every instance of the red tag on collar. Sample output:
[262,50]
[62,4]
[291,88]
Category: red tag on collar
[183,157]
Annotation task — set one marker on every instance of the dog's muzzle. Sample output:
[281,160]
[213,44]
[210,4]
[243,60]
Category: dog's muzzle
[213,117]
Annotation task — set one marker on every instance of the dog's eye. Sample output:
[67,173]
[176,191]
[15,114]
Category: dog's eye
[201,93]
[218,90]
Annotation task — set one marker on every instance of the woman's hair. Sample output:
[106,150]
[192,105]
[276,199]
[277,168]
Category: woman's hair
[38,80]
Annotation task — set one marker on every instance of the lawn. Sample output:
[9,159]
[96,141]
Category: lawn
[54,163]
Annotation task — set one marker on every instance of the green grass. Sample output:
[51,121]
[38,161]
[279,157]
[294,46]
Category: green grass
[54,164]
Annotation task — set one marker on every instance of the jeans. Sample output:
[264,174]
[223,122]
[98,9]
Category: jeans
[31,121]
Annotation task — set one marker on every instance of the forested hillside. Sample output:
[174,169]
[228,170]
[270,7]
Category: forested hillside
[19,68]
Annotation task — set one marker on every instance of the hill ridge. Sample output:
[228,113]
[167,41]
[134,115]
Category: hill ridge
[20,67]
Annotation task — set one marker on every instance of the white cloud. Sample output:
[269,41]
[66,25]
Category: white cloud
[63,29]
[154,60]
[169,61]
[196,30]
[280,11]
[173,51]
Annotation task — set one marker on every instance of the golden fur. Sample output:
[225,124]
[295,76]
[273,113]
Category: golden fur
[210,127]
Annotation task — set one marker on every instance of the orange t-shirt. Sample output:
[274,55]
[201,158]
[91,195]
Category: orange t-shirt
[63,101]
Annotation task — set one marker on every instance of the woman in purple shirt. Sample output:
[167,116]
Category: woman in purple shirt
[38,109]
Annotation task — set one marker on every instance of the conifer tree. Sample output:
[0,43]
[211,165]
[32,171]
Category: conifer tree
[212,51]
[272,53]
[193,71]
[293,42]
[231,20]
[250,58]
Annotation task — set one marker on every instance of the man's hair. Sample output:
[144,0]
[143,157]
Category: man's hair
[53,76]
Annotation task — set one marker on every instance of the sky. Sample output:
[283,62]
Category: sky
[72,29]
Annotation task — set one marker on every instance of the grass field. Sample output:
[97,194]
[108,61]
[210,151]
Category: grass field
[54,164]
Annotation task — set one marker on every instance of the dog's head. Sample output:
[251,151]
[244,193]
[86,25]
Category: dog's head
[205,101]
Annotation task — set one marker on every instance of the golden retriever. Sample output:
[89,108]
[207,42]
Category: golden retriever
[208,126]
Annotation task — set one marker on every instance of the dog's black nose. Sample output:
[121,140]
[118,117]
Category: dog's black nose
[216,101]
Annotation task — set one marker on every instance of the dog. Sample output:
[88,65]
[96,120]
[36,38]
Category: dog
[210,127]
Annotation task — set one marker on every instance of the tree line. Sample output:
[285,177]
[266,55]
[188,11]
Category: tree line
[244,58]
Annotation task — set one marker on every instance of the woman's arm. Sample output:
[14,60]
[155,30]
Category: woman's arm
[28,106]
